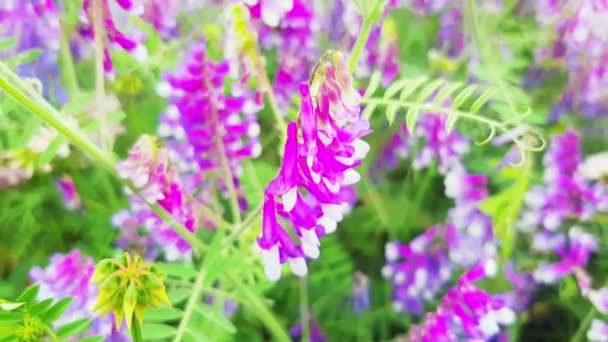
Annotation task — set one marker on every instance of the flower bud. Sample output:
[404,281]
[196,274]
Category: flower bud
[128,287]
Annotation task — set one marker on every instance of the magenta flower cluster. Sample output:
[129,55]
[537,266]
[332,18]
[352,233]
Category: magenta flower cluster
[465,312]
[313,189]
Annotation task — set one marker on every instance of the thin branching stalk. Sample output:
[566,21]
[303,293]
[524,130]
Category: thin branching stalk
[136,331]
[261,311]
[31,100]
[67,62]
[360,43]
[221,152]
[304,313]
[260,70]
[195,297]
[253,216]
[579,336]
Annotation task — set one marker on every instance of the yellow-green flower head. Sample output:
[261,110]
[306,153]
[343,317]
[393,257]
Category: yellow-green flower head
[30,330]
[128,287]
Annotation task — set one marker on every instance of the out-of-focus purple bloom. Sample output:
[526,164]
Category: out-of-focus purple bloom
[271,11]
[316,334]
[147,167]
[66,186]
[418,270]
[451,35]
[133,237]
[574,254]
[360,293]
[114,36]
[203,126]
[565,193]
[313,189]
[523,284]
[445,148]
[598,332]
[580,45]
[35,25]
[465,310]
[69,275]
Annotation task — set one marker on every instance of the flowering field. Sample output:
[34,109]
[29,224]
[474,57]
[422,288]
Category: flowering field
[301,170]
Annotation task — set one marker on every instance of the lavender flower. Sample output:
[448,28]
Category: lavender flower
[35,24]
[288,26]
[419,270]
[316,334]
[69,275]
[157,181]
[312,190]
[465,310]
[439,145]
[208,131]
[360,293]
[71,199]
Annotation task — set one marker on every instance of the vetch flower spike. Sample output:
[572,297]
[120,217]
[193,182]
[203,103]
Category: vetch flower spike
[128,287]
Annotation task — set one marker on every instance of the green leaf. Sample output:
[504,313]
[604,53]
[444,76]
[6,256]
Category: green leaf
[178,270]
[155,331]
[8,43]
[11,316]
[410,87]
[9,306]
[29,295]
[57,310]
[178,296]
[411,118]
[41,307]
[461,98]
[52,150]
[92,339]
[78,104]
[374,83]
[446,92]
[24,57]
[429,89]
[481,100]
[73,328]
[164,315]
[216,318]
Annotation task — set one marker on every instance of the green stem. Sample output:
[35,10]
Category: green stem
[32,101]
[264,314]
[195,297]
[267,87]
[304,309]
[360,44]
[579,336]
[243,226]
[67,62]
[136,331]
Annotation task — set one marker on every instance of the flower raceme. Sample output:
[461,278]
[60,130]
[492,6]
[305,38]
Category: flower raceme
[313,188]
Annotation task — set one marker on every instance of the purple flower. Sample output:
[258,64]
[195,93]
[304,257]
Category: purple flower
[573,255]
[316,334]
[71,199]
[148,168]
[312,190]
[451,34]
[360,293]
[418,270]
[465,310]
[446,148]
[133,236]
[203,126]
[68,276]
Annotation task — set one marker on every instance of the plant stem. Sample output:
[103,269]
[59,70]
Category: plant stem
[360,44]
[32,101]
[221,152]
[267,87]
[579,336]
[136,331]
[262,311]
[304,309]
[69,72]
[195,296]
[244,225]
